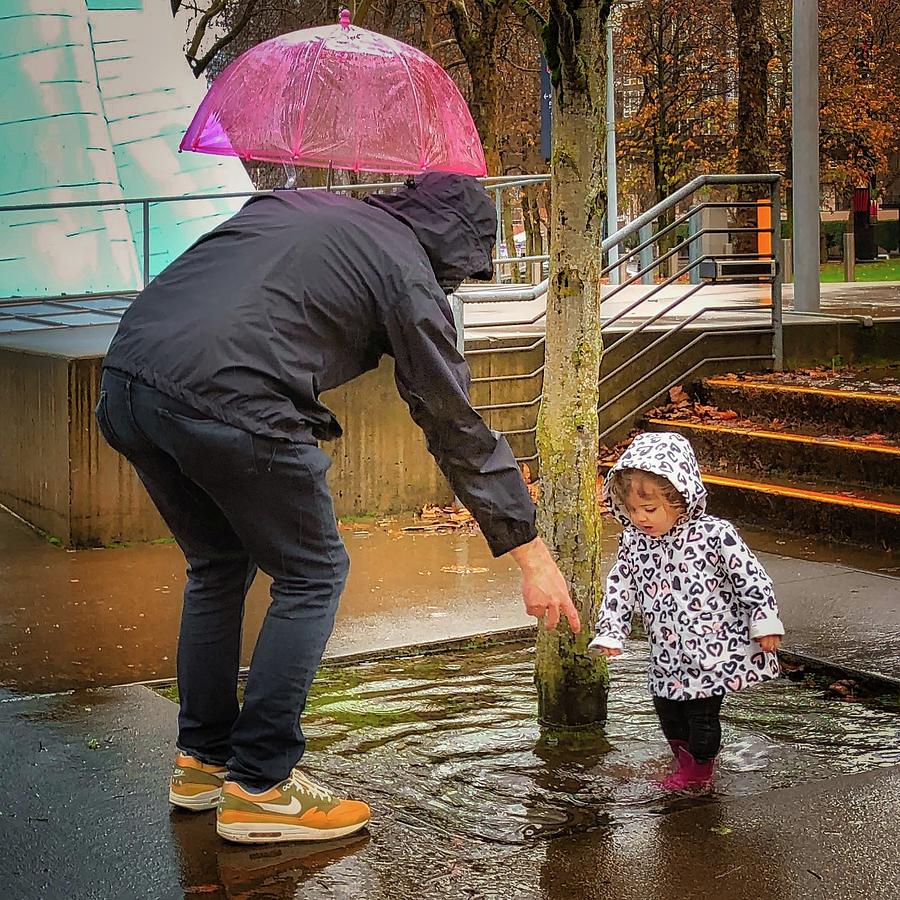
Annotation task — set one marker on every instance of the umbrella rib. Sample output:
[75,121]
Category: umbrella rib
[306,90]
[418,110]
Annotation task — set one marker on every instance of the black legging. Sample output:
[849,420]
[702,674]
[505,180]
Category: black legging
[696,722]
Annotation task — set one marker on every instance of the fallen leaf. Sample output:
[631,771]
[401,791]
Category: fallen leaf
[721,829]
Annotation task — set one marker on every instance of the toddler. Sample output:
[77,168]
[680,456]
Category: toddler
[708,606]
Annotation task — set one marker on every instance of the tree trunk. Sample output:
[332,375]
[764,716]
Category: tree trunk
[572,685]
[754,53]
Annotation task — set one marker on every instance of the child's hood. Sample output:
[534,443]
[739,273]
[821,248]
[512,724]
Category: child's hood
[666,454]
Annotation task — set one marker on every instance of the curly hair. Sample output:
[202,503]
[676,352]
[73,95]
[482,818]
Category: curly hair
[647,485]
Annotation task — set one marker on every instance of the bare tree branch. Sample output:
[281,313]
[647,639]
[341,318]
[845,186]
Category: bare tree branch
[200,31]
[362,11]
[199,66]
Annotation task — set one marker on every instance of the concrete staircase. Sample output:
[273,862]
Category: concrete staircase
[792,458]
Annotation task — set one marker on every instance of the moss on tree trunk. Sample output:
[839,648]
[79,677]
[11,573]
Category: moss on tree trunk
[572,685]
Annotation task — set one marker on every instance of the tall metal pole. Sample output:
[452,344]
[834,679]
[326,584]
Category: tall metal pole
[612,187]
[805,86]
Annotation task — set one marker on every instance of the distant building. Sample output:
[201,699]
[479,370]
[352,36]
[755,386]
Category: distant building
[94,98]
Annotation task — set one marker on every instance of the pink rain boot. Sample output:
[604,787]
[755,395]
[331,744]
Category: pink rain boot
[675,746]
[690,773]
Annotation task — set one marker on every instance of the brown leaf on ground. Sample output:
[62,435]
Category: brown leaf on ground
[678,396]
[430,529]
[873,439]
[841,690]
[526,472]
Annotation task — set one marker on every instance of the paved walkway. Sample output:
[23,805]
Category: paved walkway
[102,617]
[84,814]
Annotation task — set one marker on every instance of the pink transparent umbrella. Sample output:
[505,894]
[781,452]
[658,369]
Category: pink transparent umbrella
[338,97]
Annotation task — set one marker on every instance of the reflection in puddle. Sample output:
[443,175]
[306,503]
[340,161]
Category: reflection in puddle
[468,802]
[453,740]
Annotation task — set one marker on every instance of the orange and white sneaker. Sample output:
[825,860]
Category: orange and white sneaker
[195,785]
[297,809]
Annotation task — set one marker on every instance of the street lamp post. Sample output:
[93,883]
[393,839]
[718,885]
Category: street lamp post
[805,87]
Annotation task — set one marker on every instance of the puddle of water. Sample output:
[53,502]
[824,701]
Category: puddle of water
[467,802]
[459,730]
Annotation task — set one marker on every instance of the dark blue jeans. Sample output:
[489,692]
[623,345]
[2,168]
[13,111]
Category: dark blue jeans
[234,502]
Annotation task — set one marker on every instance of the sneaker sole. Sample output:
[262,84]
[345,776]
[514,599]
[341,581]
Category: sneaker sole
[198,803]
[257,833]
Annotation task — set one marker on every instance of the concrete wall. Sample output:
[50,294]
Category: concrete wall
[59,474]
[34,452]
[814,344]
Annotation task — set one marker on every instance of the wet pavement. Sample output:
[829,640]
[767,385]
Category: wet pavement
[504,318]
[110,616]
[467,802]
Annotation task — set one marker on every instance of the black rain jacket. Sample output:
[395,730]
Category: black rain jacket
[300,292]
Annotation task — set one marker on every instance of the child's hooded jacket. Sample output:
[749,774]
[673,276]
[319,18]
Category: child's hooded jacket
[702,594]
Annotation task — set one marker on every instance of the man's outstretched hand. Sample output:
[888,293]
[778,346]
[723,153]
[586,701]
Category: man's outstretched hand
[544,589]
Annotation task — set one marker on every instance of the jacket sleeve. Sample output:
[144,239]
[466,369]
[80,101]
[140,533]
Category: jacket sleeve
[619,599]
[751,584]
[433,379]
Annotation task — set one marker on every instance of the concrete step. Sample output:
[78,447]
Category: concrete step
[825,511]
[762,452]
[859,411]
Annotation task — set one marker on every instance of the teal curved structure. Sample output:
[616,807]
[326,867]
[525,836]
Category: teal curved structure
[94,98]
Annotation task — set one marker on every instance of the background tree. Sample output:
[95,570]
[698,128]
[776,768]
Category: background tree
[753,52]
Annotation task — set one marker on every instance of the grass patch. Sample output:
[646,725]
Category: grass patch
[364,519]
[882,270]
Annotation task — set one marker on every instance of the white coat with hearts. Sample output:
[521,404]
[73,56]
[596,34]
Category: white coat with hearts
[701,592]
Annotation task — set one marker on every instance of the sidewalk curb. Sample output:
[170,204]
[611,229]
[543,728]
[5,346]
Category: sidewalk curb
[877,682]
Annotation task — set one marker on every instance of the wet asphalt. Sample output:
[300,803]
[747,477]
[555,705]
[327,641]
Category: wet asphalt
[83,812]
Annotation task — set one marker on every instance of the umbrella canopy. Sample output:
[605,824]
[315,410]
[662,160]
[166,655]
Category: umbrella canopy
[340,97]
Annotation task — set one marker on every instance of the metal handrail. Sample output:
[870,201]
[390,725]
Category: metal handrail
[691,187]
[703,362]
[772,327]
[680,327]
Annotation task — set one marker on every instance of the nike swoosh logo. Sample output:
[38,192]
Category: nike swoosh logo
[283,809]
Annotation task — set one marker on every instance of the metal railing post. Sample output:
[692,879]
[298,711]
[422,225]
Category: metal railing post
[694,245]
[498,204]
[145,215]
[645,257]
[777,281]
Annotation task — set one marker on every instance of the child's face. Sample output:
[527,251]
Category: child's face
[649,510]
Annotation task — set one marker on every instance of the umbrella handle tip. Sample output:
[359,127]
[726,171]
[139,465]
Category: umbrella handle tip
[346,18]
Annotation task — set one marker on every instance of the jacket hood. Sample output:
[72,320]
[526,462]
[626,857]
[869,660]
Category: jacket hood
[454,220]
[672,457]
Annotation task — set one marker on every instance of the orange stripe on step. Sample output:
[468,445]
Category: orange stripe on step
[800,494]
[779,436]
[796,389]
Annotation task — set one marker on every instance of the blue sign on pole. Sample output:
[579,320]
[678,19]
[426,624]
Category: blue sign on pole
[546,109]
